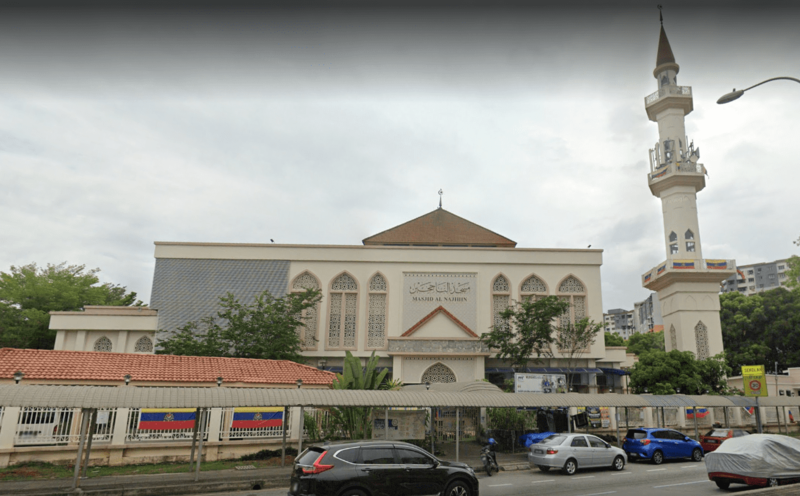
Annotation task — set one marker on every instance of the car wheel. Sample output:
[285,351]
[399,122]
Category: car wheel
[619,463]
[658,458]
[773,482]
[722,484]
[697,455]
[570,467]
[457,488]
[543,468]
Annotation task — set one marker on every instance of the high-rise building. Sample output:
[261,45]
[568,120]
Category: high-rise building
[755,278]
[620,322]
[647,315]
[687,284]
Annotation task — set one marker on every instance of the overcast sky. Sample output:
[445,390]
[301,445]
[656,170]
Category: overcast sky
[123,127]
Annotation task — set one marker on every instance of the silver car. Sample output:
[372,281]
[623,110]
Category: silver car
[569,452]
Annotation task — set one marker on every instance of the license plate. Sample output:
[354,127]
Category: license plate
[538,451]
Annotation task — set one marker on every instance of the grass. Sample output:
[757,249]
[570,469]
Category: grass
[40,470]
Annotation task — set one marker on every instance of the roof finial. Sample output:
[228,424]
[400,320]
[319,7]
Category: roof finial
[660,17]
[440,197]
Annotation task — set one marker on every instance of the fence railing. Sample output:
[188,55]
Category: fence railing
[37,426]
[668,90]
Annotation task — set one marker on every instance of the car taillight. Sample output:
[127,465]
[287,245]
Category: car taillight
[645,441]
[551,451]
[318,467]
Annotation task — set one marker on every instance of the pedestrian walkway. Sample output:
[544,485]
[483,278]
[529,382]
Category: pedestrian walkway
[222,480]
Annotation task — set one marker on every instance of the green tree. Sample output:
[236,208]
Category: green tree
[526,330]
[761,329]
[793,274]
[356,422]
[662,372]
[643,342]
[573,340]
[268,328]
[28,294]
[614,339]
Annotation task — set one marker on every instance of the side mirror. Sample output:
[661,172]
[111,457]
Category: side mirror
[687,438]
[608,446]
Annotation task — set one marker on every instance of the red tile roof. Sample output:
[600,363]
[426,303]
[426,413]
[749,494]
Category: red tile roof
[100,366]
[436,311]
[440,227]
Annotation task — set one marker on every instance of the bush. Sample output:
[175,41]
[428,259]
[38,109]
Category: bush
[267,454]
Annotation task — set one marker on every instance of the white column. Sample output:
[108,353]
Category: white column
[294,423]
[122,342]
[80,341]
[59,340]
[8,428]
[120,426]
[214,425]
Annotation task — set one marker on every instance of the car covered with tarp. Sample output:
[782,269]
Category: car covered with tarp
[755,460]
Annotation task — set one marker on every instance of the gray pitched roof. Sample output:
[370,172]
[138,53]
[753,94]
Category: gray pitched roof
[185,290]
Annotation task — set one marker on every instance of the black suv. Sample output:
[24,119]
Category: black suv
[378,468]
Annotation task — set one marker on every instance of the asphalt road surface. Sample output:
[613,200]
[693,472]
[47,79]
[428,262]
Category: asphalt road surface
[670,478]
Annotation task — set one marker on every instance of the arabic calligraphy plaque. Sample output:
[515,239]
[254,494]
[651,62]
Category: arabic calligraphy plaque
[423,292]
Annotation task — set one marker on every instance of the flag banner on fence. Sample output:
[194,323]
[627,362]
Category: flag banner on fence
[255,417]
[750,410]
[683,264]
[791,417]
[717,264]
[160,419]
[701,412]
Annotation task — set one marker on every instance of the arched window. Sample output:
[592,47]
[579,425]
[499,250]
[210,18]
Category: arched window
[673,337]
[574,292]
[533,288]
[689,244]
[673,236]
[103,344]
[673,243]
[501,298]
[143,345]
[701,336]
[438,372]
[310,316]
[376,323]
[343,311]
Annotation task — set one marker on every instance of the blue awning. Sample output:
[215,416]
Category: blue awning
[611,371]
[546,370]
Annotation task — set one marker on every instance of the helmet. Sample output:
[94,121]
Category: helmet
[492,441]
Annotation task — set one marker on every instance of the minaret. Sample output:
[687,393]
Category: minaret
[687,285]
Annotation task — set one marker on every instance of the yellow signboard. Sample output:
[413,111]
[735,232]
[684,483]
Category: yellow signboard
[755,381]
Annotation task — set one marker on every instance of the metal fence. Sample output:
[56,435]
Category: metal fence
[38,426]
[134,435]
[635,417]
[444,421]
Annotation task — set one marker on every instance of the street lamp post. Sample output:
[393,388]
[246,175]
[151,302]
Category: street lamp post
[733,95]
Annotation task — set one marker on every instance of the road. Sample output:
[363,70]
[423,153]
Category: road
[681,477]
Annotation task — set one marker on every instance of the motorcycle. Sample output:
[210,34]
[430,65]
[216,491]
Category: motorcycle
[489,457]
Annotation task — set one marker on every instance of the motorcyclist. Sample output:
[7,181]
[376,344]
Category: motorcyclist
[489,456]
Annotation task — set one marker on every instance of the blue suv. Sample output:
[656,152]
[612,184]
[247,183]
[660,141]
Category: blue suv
[658,444]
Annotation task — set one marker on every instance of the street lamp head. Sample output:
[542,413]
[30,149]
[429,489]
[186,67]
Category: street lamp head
[18,375]
[127,378]
[427,386]
[678,390]
[299,383]
[219,381]
[729,97]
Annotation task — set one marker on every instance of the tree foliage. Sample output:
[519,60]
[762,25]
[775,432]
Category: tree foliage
[641,343]
[526,330]
[356,422]
[761,329]
[268,328]
[614,339]
[573,340]
[793,274]
[29,292]
[662,372]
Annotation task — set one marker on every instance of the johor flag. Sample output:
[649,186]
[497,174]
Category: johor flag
[252,418]
[701,412]
[791,417]
[683,264]
[750,410]
[647,277]
[661,269]
[159,419]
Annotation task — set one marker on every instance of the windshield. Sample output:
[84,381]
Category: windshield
[632,434]
[718,433]
[553,440]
